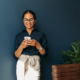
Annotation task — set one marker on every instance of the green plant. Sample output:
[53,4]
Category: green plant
[68,56]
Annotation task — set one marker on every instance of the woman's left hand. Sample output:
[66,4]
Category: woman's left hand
[33,42]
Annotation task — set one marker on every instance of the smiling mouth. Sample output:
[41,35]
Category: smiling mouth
[28,24]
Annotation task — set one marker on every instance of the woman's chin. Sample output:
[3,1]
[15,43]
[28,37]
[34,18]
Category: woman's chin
[28,27]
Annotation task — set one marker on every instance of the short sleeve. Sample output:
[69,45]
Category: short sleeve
[44,44]
[16,44]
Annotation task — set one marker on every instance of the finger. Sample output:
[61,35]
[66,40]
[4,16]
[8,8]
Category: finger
[29,44]
[32,45]
[33,42]
[30,40]
[26,44]
[24,40]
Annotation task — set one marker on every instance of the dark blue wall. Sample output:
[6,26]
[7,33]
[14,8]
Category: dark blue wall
[60,20]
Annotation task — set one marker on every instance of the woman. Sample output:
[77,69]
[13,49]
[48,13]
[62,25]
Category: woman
[28,52]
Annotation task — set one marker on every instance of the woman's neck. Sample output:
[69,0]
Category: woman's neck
[29,30]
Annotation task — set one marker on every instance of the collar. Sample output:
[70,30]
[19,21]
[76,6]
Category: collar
[32,30]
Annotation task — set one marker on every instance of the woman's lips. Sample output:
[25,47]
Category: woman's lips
[28,25]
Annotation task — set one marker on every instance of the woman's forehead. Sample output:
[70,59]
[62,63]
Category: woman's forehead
[28,15]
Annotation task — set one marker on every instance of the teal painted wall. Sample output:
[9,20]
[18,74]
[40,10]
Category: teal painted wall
[58,19]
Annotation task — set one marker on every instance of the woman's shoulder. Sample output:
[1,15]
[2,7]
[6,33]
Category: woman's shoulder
[38,32]
[20,33]
[41,33]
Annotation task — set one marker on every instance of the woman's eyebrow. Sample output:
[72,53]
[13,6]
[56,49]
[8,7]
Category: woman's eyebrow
[27,18]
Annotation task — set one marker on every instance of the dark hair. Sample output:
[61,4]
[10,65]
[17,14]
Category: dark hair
[30,11]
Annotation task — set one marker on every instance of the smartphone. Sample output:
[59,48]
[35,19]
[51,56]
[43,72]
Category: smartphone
[27,38]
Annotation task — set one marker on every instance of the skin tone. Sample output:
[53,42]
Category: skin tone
[29,27]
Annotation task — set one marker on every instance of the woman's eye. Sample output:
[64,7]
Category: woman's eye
[26,19]
[31,19]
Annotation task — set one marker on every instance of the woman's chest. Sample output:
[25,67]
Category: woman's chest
[35,37]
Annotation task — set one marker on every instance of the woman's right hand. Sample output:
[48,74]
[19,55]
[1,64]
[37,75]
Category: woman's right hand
[24,44]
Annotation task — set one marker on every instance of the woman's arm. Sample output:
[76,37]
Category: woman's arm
[38,45]
[18,51]
[23,45]
[43,44]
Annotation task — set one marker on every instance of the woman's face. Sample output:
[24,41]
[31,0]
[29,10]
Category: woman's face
[29,20]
